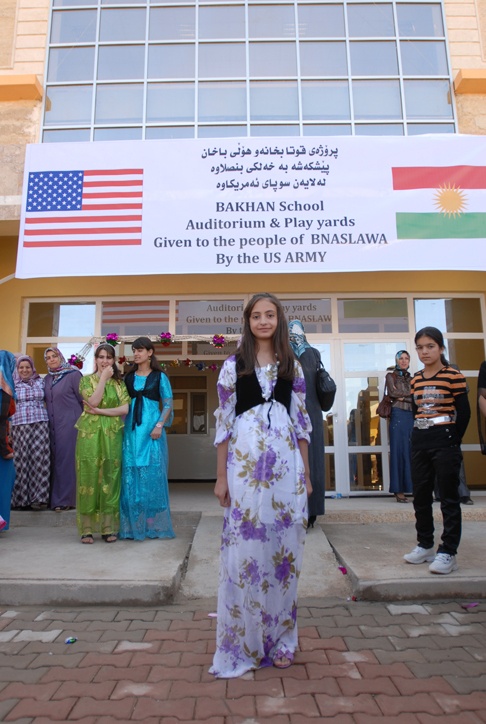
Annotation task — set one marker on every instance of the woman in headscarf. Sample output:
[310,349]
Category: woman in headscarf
[309,358]
[64,406]
[7,409]
[30,437]
[99,448]
[401,425]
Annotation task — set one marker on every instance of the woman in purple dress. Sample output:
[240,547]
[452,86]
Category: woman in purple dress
[64,407]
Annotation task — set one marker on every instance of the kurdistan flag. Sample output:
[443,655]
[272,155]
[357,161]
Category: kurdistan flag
[458,195]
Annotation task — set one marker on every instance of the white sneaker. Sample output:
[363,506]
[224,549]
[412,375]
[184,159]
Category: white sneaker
[443,563]
[420,555]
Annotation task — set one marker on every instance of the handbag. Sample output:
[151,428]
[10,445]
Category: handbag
[385,406]
[325,387]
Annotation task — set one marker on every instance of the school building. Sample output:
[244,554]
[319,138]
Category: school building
[93,71]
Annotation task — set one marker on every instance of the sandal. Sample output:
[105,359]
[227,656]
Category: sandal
[87,539]
[282,660]
[110,537]
[401,498]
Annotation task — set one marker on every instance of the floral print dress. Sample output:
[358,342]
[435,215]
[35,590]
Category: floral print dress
[264,528]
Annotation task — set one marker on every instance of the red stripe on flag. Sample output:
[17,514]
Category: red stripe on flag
[81,219]
[114,172]
[108,207]
[120,195]
[94,230]
[431,177]
[86,242]
[100,184]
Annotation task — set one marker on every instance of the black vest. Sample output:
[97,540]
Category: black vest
[151,390]
[249,392]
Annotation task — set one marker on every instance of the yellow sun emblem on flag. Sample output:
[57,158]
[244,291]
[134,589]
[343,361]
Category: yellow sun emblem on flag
[450,200]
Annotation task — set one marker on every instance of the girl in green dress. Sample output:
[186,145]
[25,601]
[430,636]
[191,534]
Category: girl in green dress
[99,448]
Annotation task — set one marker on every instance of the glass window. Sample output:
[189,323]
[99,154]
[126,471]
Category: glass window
[376,356]
[379,129]
[170,102]
[467,354]
[428,99]
[199,413]
[121,62]
[330,129]
[315,315]
[272,101]
[222,101]
[267,21]
[415,129]
[449,315]
[221,316]
[366,471]
[372,315]
[172,23]
[134,318]
[70,63]
[272,59]
[281,130]
[321,21]
[62,136]
[221,22]
[169,132]
[377,99]
[179,424]
[68,3]
[172,61]
[68,105]
[221,131]
[325,100]
[118,134]
[374,21]
[222,60]
[368,58]
[121,103]
[420,20]
[73,26]
[323,58]
[56,319]
[126,24]
[423,57]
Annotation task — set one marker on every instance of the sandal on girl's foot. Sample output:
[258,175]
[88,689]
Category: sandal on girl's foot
[110,537]
[283,660]
[87,539]
[401,498]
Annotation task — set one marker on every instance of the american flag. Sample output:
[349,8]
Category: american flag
[84,208]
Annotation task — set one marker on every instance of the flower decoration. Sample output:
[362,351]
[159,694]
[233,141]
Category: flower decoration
[77,361]
[213,367]
[165,338]
[122,360]
[175,363]
[113,339]
[218,341]
[187,362]
[200,366]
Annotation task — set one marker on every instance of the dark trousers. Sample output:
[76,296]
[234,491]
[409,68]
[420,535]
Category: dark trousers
[443,465]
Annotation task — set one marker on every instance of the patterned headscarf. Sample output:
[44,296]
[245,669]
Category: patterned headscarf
[298,340]
[64,368]
[7,366]
[398,370]
[17,378]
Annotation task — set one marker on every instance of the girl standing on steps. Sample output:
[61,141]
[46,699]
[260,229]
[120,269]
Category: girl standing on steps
[441,411]
[99,448]
[262,434]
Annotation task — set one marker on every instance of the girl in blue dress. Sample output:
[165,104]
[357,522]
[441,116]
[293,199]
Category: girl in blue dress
[144,501]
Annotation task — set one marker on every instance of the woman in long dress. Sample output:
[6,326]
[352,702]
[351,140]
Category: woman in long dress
[309,359]
[64,406]
[401,426]
[30,437]
[99,448]
[262,433]
[7,409]
[144,504]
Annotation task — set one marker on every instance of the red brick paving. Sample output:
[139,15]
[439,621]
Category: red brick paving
[357,663]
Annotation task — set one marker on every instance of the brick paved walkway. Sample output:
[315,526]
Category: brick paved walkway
[358,662]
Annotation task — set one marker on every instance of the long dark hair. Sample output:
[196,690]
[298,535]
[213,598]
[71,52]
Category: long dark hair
[247,350]
[111,352]
[437,336]
[146,343]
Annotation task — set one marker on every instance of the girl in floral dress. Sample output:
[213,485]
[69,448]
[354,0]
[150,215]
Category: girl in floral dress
[262,434]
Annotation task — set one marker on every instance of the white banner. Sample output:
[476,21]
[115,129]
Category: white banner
[275,205]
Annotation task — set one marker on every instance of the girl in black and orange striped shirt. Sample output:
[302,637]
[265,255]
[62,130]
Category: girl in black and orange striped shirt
[441,414]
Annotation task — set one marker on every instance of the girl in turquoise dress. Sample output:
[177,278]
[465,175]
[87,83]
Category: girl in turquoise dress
[144,502]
